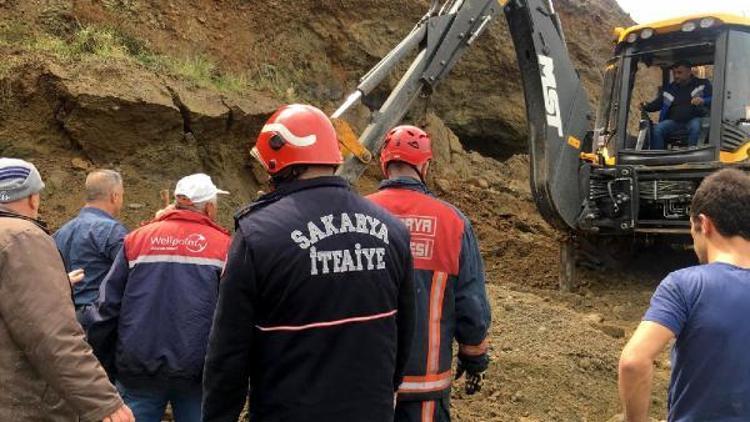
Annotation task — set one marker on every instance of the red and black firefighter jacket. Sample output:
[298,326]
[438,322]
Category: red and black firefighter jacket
[451,295]
[316,308]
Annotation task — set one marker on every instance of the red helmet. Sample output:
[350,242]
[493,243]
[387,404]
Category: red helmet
[408,144]
[297,134]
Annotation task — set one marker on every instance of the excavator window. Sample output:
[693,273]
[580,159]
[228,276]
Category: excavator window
[734,121]
[646,85]
[737,97]
[649,72]
[606,116]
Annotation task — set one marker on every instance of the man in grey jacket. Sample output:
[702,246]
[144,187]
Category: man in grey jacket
[47,370]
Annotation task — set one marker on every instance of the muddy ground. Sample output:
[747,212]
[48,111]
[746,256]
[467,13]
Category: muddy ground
[554,354]
[87,84]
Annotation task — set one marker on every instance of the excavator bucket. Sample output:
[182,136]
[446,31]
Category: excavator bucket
[350,141]
[558,110]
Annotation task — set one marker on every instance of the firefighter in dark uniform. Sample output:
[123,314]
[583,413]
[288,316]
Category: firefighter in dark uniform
[449,277]
[317,304]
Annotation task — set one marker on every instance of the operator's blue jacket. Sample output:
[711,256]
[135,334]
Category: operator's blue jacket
[316,308]
[451,296]
[156,305]
[698,87]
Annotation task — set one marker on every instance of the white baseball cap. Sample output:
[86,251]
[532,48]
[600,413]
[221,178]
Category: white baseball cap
[198,188]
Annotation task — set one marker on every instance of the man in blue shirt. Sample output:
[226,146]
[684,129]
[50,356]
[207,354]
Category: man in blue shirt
[705,309]
[92,239]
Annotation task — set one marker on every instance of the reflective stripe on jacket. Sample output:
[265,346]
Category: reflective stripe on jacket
[449,276]
[316,309]
[156,305]
[698,87]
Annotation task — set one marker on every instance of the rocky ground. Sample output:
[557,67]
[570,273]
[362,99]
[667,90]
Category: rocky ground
[160,89]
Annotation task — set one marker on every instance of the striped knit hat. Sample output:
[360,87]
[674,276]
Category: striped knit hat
[18,179]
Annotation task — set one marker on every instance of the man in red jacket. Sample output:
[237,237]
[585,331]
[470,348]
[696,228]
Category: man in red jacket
[156,305]
[449,278]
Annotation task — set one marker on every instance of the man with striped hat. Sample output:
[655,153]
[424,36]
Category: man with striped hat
[47,369]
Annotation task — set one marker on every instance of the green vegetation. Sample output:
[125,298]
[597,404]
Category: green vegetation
[107,45]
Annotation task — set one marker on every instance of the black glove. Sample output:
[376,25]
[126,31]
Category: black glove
[474,369]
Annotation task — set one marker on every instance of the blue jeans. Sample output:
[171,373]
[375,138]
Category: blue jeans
[668,127]
[148,401]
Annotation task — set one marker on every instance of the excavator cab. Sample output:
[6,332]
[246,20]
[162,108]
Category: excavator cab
[634,187]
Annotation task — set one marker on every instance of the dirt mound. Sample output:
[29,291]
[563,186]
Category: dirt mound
[316,51]
[154,130]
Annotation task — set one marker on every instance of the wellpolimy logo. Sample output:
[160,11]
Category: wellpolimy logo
[195,242]
[549,89]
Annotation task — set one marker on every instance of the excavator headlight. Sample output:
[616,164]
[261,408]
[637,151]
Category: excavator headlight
[707,22]
[647,33]
[688,26]
[632,37]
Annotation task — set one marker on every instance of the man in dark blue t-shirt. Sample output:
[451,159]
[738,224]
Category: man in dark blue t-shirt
[705,309]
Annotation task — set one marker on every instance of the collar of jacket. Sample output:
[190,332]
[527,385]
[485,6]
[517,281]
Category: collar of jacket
[694,81]
[404,183]
[191,216]
[96,211]
[289,188]
[37,222]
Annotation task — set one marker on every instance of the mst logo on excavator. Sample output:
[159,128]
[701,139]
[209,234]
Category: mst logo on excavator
[549,89]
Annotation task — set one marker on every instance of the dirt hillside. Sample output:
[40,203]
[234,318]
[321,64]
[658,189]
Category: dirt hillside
[159,89]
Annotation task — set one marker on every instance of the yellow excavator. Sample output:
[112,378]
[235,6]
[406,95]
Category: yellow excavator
[592,175]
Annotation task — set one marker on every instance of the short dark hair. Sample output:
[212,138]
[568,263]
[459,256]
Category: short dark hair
[682,63]
[725,198]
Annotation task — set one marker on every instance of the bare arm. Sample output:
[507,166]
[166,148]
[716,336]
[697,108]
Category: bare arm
[637,367]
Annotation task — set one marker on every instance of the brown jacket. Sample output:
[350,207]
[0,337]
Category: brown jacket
[47,370]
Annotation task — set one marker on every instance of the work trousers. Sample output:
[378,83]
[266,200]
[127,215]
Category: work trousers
[668,127]
[423,411]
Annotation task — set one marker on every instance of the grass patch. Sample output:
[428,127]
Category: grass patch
[14,33]
[107,45]
[6,67]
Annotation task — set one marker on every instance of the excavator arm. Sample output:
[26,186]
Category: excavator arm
[556,103]
[439,39]
[557,110]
